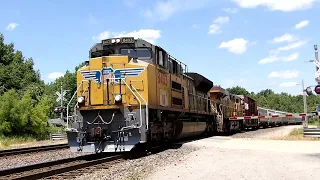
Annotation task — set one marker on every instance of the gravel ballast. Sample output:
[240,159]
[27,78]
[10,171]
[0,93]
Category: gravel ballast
[139,168]
[37,157]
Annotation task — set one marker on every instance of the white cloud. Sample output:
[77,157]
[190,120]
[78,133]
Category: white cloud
[163,10]
[230,10]
[284,38]
[222,20]
[291,57]
[55,75]
[274,57]
[269,59]
[214,29]
[150,35]
[277,5]
[228,83]
[216,26]
[288,84]
[101,36]
[236,46]
[294,45]
[302,24]
[12,26]
[287,74]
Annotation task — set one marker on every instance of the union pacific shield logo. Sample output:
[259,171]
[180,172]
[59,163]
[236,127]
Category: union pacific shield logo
[94,75]
[113,74]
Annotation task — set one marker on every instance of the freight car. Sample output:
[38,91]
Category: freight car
[134,93]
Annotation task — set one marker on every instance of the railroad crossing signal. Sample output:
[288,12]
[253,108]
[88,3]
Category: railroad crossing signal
[61,96]
[309,91]
[317,89]
[318,69]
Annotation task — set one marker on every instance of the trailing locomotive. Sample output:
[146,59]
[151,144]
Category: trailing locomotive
[132,92]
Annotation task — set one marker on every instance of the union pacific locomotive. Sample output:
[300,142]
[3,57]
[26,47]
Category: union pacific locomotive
[132,93]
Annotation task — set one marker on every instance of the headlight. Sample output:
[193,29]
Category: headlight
[113,41]
[80,99]
[117,40]
[117,98]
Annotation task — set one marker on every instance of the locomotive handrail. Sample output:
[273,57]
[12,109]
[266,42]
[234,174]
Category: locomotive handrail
[123,80]
[147,109]
[71,101]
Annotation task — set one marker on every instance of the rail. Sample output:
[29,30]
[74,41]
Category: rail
[10,152]
[311,132]
[51,168]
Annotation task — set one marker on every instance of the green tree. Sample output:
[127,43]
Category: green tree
[238,91]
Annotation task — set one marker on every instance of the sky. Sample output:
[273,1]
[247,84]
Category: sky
[255,44]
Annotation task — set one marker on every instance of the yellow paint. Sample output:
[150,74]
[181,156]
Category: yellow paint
[153,84]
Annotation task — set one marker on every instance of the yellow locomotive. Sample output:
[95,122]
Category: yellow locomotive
[131,93]
[226,105]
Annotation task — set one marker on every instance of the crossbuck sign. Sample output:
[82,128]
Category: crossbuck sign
[61,96]
[318,71]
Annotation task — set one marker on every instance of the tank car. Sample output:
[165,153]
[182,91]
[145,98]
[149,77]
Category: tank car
[132,93]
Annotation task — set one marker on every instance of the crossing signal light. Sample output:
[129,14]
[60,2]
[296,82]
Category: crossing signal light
[317,89]
[309,91]
[58,110]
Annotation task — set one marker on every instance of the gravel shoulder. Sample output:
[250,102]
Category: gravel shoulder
[140,168]
[248,159]
[267,133]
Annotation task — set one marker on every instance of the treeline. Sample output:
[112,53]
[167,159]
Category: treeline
[281,102]
[26,102]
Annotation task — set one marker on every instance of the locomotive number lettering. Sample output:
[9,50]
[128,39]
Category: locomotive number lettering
[162,78]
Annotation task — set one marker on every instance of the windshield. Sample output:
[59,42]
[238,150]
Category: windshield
[140,53]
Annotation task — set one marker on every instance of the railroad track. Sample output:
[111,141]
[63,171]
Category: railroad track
[53,168]
[31,149]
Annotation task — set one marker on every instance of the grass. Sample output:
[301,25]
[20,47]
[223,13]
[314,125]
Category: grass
[297,135]
[7,142]
[314,123]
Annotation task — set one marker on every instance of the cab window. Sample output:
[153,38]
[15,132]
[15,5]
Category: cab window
[140,53]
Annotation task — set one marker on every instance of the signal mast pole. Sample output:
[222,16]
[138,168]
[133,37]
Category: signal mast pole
[61,114]
[316,59]
[305,104]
